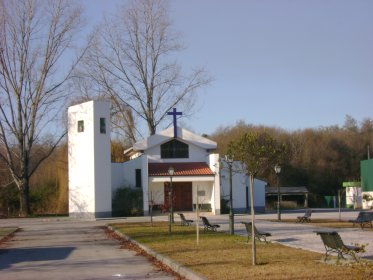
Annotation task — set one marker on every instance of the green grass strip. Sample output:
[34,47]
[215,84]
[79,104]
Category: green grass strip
[222,256]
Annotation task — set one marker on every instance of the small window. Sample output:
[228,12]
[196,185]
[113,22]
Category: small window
[174,149]
[138,178]
[80,126]
[102,126]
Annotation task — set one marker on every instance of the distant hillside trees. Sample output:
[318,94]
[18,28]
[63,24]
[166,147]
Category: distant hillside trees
[320,158]
[48,187]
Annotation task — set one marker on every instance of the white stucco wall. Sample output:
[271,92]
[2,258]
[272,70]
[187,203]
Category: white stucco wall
[214,164]
[117,176]
[102,160]
[157,193]
[354,197]
[196,154]
[128,173]
[240,182]
[207,188]
[145,183]
[124,175]
[199,151]
[89,160]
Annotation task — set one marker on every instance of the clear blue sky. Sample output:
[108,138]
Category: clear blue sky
[285,63]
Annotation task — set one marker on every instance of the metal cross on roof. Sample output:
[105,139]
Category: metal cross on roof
[174,114]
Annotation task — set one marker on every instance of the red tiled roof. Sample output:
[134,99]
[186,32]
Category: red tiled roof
[181,169]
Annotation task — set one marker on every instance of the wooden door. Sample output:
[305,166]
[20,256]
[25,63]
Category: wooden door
[182,195]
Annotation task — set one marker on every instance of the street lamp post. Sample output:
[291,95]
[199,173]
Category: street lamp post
[229,161]
[171,172]
[277,171]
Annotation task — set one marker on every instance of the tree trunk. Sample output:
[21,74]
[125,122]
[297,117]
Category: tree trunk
[24,198]
[151,127]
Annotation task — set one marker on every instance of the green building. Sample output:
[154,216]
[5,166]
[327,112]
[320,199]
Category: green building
[360,194]
[366,172]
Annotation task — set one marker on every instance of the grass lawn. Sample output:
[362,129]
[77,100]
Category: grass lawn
[221,256]
[4,232]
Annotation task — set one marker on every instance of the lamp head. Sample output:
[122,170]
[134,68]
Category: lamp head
[277,169]
[228,159]
[171,171]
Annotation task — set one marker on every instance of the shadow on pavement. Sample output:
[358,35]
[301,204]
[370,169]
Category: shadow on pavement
[285,240]
[18,255]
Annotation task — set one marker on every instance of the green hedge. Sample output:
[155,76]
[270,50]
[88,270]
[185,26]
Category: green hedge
[127,202]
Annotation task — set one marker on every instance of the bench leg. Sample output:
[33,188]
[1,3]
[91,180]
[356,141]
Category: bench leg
[326,255]
[340,255]
[263,239]
[327,250]
[352,253]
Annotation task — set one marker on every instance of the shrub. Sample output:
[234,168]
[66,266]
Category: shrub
[316,201]
[224,207]
[43,198]
[127,202]
[9,201]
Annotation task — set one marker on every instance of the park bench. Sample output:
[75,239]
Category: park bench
[306,218]
[207,225]
[259,235]
[184,222]
[364,218]
[333,244]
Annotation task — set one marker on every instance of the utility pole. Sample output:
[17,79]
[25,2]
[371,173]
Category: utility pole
[368,151]
[277,171]
[229,161]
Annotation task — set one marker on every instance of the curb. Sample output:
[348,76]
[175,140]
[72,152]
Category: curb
[175,266]
[9,236]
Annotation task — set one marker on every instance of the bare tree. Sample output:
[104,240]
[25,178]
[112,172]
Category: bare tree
[133,62]
[256,153]
[35,39]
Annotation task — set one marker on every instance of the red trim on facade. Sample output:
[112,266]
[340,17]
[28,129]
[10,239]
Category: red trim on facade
[181,169]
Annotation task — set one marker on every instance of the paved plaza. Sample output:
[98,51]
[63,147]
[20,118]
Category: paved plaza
[64,248]
[303,235]
[69,249]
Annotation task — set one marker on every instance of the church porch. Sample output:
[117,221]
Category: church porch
[189,179]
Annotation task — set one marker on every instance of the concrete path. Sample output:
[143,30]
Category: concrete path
[69,249]
[302,235]
[74,249]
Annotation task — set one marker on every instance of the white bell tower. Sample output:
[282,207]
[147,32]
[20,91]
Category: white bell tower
[89,160]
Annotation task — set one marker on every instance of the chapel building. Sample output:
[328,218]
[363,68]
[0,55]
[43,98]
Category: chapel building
[199,175]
